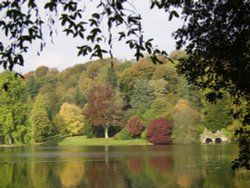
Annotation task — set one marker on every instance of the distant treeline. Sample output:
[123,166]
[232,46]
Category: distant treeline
[108,97]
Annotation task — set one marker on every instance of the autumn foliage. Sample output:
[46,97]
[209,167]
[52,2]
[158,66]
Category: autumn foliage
[99,100]
[135,126]
[103,110]
[159,131]
[73,119]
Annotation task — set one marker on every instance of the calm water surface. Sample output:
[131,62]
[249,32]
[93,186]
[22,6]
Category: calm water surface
[121,167]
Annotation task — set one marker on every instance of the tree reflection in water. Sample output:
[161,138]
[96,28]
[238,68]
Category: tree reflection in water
[121,167]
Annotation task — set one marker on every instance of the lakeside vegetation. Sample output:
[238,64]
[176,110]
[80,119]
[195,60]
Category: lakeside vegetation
[122,101]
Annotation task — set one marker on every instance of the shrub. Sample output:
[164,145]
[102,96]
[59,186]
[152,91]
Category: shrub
[135,126]
[159,131]
[123,135]
[144,134]
[92,131]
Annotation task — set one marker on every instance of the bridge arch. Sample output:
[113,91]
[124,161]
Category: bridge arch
[209,137]
[218,140]
[208,140]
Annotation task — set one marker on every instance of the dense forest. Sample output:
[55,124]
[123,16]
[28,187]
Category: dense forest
[111,98]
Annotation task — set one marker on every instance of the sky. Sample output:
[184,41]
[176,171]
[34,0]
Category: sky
[62,53]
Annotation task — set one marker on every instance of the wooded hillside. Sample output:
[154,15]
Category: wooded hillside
[104,98]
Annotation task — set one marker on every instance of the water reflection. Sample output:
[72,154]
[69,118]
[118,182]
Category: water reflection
[181,166]
[71,170]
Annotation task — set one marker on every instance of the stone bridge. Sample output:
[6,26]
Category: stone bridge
[209,137]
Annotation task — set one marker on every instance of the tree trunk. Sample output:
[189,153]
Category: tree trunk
[106,131]
[10,139]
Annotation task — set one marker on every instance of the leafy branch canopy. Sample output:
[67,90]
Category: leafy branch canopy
[23,22]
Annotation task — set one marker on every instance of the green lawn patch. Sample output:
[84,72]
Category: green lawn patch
[83,141]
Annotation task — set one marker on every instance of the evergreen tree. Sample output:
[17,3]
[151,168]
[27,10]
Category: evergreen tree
[39,119]
[142,97]
[32,87]
[111,77]
[78,98]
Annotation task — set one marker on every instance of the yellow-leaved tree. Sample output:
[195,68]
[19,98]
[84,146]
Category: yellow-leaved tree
[72,119]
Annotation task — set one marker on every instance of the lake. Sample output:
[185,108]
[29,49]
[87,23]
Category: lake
[121,167]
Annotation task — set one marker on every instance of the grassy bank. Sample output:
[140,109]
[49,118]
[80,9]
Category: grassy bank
[12,145]
[83,141]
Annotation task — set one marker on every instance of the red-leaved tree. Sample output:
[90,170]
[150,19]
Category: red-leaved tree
[159,131]
[135,126]
[103,109]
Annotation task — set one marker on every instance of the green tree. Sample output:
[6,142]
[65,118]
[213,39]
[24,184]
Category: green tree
[39,119]
[85,84]
[111,77]
[161,107]
[177,55]
[78,99]
[41,71]
[141,97]
[14,127]
[32,86]
[159,86]
[216,39]
[51,101]
[218,116]
[73,120]
[143,70]
[169,73]
[7,125]
[93,69]
[185,120]
[212,62]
